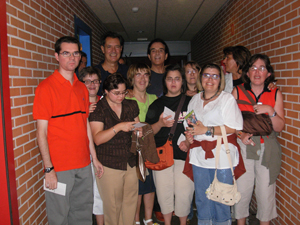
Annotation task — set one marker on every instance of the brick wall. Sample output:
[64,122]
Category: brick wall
[33,26]
[271,27]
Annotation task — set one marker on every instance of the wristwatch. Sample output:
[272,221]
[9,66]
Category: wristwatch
[209,131]
[48,169]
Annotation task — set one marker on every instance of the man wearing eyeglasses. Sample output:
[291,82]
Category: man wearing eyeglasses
[61,108]
[111,46]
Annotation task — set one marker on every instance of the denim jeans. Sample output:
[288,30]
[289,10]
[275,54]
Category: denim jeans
[208,211]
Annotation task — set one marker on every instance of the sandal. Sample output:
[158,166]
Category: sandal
[148,221]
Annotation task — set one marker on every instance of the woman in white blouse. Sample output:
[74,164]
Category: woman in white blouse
[213,107]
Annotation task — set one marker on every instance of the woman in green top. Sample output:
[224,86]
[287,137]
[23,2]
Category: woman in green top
[138,76]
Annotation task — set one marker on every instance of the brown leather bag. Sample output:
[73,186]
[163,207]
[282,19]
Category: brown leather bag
[165,152]
[256,124]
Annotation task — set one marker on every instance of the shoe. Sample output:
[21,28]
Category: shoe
[137,223]
[159,216]
[148,221]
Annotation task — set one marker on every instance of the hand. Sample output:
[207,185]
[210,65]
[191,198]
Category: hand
[246,139]
[197,129]
[99,168]
[184,145]
[130,93]
[92,107]
[165,122]
[189,137]
[260,109]
[272,85]
[126,126]
[51,180]
[140,129]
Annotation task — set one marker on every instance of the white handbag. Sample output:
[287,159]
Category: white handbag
[226,194]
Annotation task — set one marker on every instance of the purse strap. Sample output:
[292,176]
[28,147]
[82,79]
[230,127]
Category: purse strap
[247,95]
[218,149]
[172,131]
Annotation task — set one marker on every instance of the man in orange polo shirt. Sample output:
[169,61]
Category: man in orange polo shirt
[61,108]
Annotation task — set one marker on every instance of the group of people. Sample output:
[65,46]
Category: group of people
[75,126]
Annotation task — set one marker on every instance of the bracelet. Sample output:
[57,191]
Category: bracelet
[274,114]
[239,134]
[114,130]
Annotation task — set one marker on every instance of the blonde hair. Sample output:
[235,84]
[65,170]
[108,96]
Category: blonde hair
[134,69]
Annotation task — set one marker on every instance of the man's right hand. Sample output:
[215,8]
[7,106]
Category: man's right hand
[51,180]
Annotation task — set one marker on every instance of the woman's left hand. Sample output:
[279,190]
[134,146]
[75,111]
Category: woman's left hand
[184,146]
[197,129]
[260,109]
[272,85]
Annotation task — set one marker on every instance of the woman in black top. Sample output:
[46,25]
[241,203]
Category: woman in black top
[171,181]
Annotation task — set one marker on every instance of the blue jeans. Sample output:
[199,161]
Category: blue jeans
[208,211]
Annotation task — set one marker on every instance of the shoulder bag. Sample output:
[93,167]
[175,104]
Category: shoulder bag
[256,124]
[165,152]
[226,194]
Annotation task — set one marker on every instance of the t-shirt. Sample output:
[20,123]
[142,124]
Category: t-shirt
[66,108]
[115,153]
[156,84]
[122,69]
[153,114]
[221,111]
[144,106]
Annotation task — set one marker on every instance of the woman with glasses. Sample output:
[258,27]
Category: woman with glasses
[138,76]
[112,123]
[192,70]
[261,154]
[91,77]
[213,107]
[174,190]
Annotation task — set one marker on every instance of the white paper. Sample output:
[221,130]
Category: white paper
[181,139]
[137,125]
[60,190]
[168,112]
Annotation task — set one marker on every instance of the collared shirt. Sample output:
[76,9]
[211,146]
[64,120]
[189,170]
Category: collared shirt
[66,108]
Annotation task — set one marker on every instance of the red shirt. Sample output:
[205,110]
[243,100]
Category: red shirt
[66,108]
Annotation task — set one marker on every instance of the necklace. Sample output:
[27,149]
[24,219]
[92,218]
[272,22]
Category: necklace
[210,97]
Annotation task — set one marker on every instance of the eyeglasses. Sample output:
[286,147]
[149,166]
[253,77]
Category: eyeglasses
[261,68]
[213,76]
[176,79]
[88,82]
[117,93]
[190,72]
[68,54]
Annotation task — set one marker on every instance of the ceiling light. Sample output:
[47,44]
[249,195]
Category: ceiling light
[142,39]
[135,9]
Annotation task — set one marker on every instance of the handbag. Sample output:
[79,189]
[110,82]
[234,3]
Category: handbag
[256,124]
[140,168]
[226,194]
[165,152]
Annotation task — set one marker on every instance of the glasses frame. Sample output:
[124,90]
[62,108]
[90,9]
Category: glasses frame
[68,54]
[207,76]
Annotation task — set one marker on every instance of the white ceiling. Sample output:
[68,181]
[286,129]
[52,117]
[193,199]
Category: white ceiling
[171,20]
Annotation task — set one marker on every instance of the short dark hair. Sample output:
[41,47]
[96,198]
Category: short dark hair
[267,62]
[65,39]
[88,71]
[212,66]
[182,73]
[83,54]
[159,40]
[111,35]
[240,54]
[112,82]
